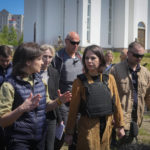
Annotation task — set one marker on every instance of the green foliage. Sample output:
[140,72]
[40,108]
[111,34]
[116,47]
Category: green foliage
[147,116]
[20,40]
[4,35]
[142,131]
[12,37]
[9,37]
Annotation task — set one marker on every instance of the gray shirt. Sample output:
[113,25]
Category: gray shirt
[71,68]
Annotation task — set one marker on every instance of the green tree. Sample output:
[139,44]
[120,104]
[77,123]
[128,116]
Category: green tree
[20,40]
[4,35]
[12,37]
[9,37]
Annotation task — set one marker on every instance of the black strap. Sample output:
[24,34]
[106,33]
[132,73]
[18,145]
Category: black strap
[83,78]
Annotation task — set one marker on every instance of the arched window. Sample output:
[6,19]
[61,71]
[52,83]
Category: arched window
[141,33]
[141,25]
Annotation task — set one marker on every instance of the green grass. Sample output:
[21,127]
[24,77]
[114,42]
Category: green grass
[146,116]
[142,131]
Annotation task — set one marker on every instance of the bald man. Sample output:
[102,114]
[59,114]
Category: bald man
[68,63]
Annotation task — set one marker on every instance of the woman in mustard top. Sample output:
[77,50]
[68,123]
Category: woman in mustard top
[94,133]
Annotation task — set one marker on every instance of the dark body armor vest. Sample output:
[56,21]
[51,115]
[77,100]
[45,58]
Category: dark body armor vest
[30,125]
[99,102]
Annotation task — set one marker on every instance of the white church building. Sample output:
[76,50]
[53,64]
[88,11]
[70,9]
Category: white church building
[111,24]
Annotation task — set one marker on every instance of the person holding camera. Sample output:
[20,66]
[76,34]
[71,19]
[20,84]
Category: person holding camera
[133,82]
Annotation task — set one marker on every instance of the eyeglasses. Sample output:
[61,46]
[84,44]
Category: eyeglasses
[74,43]
[137,55]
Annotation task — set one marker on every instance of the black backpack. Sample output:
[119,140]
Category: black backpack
[99,102]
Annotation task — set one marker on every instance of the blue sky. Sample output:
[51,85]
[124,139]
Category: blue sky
[12,6]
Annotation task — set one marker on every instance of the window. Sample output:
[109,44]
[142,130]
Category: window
[88,20]
[141,25]
[110,23]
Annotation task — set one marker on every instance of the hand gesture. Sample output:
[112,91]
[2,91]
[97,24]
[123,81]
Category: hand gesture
[66,97]
[31,102]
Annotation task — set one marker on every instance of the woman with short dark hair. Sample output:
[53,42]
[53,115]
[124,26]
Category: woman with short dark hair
[24,100]
[93,95]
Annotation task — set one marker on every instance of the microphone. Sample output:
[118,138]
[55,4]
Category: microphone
[75,60]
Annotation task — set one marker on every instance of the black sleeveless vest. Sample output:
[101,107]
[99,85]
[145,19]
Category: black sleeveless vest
[99,102]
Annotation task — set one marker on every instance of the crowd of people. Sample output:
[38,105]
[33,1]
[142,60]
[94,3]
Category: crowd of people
[100,104]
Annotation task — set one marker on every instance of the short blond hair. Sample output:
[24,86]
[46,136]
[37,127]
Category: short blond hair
[45,47]
[108,52]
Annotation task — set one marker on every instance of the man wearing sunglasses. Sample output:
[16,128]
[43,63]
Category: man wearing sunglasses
[68,63]
[133,82]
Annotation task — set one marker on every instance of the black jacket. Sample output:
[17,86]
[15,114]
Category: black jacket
[53,85]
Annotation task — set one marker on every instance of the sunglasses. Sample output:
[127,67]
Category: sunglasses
[74,43]
[137,55]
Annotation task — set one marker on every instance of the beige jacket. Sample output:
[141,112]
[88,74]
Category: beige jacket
[89,128]
[125,88]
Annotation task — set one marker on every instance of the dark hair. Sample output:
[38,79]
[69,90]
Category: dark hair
[5,51]
[97,50]
[133,45]
[25,52]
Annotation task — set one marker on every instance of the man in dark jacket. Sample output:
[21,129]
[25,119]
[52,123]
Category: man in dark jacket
[68,63]
[5,72]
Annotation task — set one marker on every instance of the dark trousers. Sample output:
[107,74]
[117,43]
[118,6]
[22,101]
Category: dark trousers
[113,143]
[50,134]
[64,113]
[17,144]
[2,140]
[59,143]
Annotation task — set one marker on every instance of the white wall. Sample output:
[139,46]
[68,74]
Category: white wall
[29,19]
[141,15]
[104,23]
[40,21]
[70,16]
[53,19]
[84,23]
[95,22]
[119,23]
[148,27]
[126,28]
[58,17]
[80,20]
[131,37]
